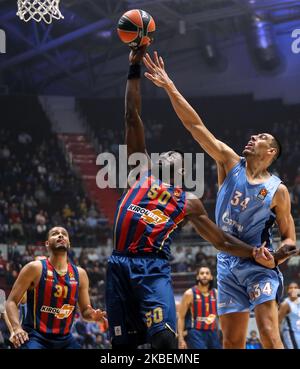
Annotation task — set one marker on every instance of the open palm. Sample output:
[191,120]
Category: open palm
[156,70]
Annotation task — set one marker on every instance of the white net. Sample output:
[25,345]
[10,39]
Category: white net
[39,10]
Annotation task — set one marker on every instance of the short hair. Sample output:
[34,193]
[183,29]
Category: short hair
[276,145]
[203,266]
[48,233]
[293,282]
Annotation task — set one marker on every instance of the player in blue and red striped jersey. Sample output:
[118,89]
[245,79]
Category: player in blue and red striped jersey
[197,315]
[139,294]
[54,287]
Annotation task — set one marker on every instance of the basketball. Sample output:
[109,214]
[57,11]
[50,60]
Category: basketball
[136,28]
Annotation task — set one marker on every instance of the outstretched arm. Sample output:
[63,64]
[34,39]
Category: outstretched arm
[224,241]
[134,128]
[211,233]
[218,150]
[284,219]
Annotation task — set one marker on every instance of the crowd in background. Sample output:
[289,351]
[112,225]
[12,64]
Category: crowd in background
[39,189]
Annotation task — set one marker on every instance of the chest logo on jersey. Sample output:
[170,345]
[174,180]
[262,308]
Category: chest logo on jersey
[60,313]
[149,216]
[207,319]
[262,194]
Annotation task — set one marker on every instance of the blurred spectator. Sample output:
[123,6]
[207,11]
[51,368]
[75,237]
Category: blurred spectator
[253,342]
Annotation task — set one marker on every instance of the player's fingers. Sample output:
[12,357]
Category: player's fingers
[25,336]
[21,339]
[156,59]
[17,342]
[292,253]
[150,61]
[161,63]
[150,76]
[148,65]
[260,252]
[267,254]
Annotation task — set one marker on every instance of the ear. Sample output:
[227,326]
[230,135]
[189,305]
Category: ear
[272,150]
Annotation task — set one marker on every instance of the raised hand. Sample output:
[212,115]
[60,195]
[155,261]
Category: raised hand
[156,70]
[136,55]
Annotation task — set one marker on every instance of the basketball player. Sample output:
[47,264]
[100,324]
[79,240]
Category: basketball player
[54,287]
[249,202]
[139,295]
[198,314]
[22,308]
[289,311]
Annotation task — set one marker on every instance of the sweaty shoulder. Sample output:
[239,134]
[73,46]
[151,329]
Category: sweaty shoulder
[82,274]
[188,295]
[32,270]
[33,267]
[281,195]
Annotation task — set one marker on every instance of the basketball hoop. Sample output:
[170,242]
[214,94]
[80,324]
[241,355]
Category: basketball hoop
[39,10]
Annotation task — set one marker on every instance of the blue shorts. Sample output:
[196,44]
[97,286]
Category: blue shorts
[291,340]
[139,298]
[243,284]
[201,339]
[38,340]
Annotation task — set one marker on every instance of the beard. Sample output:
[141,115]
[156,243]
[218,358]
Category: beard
[204,283]
[61,248]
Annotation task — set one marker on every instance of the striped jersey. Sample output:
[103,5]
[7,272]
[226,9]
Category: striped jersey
[51,304]
[202,314]
[147,217]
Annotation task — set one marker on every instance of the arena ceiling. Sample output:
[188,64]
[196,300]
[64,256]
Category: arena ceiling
[83,50]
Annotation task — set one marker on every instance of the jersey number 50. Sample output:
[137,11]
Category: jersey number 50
[163,198]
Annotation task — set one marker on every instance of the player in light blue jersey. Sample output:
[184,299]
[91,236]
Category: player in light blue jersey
[289,313]
[250,200]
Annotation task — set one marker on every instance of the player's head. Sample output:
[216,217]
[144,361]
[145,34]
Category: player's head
[293,289]
[253,334]
[263,146]
[204,276]
[58,240]
[169,166]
